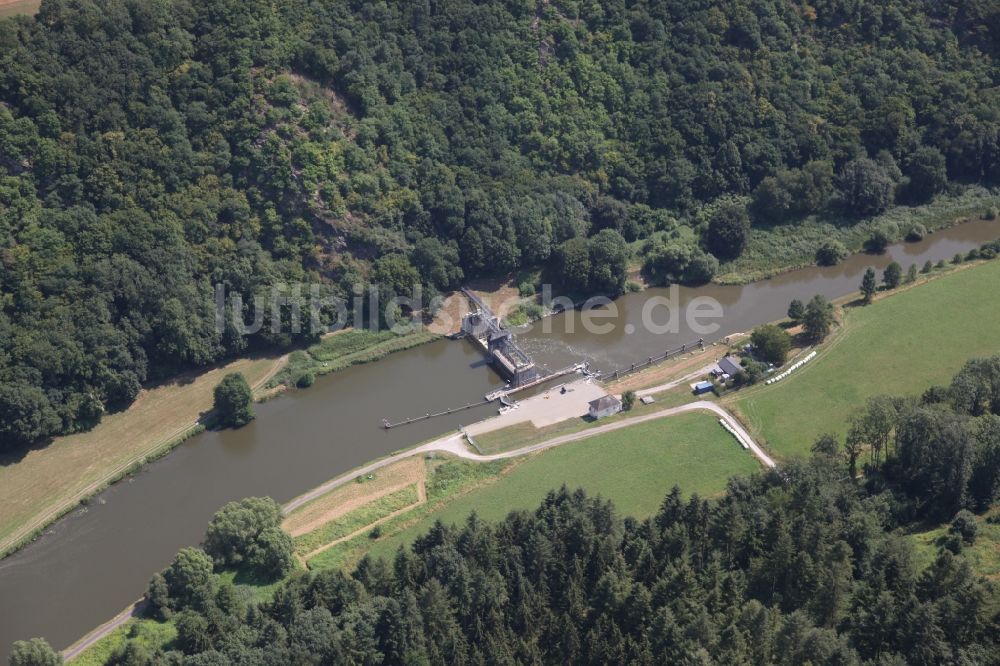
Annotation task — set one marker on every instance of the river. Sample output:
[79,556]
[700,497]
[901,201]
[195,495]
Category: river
[97,560]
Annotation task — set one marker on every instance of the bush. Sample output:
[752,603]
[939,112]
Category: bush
[928,267]
[892,275]
[831,253]
[36,652]
[958,258]
[991,213]
[375,532]
[671,263]
[964,525]
[633,287]
[911,275]
[973,254]
[952,543]
[818,319]
[916,233]
[753,372]
[877,242]
[526,288]
[728,231]
[796,310]
[306,379]
[628,400]
[866,187]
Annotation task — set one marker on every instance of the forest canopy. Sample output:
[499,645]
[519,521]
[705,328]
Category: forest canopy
[809,563]
[151,149]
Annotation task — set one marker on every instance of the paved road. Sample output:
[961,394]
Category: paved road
[455,445]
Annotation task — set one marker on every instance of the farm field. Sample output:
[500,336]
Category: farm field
[634,467]
[15,7]
[901,344]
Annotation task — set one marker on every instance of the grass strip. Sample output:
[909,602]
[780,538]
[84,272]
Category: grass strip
[353,521]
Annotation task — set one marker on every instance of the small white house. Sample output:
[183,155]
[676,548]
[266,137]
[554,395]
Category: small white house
[606,405]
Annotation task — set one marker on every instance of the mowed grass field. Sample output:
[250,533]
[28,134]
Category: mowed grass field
[38,485]
[15,7]
[634,467]
[899,345]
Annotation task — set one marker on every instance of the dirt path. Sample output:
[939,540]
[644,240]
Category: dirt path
[455,445]
[74,650]
[56,510]
[421,499]
[344,508]
[393,478]
[700,372]
[275,368]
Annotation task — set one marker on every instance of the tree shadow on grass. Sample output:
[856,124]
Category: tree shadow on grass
[15,454]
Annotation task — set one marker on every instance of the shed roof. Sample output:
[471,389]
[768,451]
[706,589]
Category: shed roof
[604,402]
[730,366]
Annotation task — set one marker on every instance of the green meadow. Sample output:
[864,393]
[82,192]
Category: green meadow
[983,554]
[899,345]
[634,467]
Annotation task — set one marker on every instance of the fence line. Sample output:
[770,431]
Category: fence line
[652,360]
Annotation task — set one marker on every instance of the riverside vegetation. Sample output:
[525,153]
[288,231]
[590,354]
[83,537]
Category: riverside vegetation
[924,458]
[805,564]
[904,343]
[151,150]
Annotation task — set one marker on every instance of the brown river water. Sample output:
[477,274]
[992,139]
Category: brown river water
[94,562]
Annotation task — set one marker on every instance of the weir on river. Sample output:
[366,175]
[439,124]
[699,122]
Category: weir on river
[92,563]
[498,344]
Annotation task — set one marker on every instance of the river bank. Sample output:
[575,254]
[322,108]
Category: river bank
[342,514]
[94,562]
[303,367]
[773,251]
[39,486]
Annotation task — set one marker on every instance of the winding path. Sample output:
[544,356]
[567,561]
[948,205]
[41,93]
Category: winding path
[455,445]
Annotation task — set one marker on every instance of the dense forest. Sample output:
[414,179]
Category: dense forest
[150,149]
[807,564]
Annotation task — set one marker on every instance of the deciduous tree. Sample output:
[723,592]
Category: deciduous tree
[234,401]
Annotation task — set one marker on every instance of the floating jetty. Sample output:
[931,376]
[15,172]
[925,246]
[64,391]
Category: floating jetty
[387,424]
[501,395]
